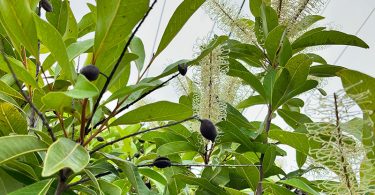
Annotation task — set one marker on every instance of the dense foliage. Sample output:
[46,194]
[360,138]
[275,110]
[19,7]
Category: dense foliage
[59,135]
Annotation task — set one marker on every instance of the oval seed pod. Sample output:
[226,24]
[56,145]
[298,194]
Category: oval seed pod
[182,69]
[137,155]
[162,162]
[100,139]
[46,5]
[91,72]
[208,130]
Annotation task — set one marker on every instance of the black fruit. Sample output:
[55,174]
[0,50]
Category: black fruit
[46,5]
[208,130]
[182,69]
[91,72]
[137,155]
[100,139]
[162,162]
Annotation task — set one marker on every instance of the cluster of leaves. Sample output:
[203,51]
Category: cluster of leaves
[59,136]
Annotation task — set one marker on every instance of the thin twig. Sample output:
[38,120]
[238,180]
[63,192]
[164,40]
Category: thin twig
[134,101]
[202,165]
[141,132]
[88,179]
[27,98]
[96,105]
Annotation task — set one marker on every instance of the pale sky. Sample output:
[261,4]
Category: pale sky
[344,15]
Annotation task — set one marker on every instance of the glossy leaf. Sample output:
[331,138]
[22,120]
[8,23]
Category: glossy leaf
[181,15]
[297,183]
[328,38]
[175,148]
[11,120]
[158,111]
[201,182]
[325,70]
[52,39]
[137,47]
[17,145]
[115,21]
[65,153]
[17,19]
[38,188]
[20,71]
[58,101]
[83,89]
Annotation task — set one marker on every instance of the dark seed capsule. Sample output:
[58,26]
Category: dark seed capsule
[100,139]
[137,155]
[148,184]
[91,72]
[162,162]
[208,130]
[46,5]
[182,69]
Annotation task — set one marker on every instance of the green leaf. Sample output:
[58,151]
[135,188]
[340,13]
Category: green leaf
[251,101]
[250,173]
[11,120]
[298,141]
[201,182]
[328,38]
[325,70]
[52,39]
[17,145]
[300,158]
[109,188]
[6,89]
[255,7]
[274,42]
[294,119]
[306,22]
[177,147]
[87,24]
[158,111]
[59,16]
[269,158]
[154,175]
[115,21]
[271,188]
[83,89]
[297,183]
[237,70]
[20,71]
[131,172]
[17,19]
[76,49]
[38,188]
[65,153]
[269,18]
[58,101]
[137,47]
[181,15]
[298,68]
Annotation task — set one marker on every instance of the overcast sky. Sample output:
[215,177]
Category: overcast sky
[343,15]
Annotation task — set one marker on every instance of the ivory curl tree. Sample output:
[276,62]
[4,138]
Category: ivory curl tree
[60,136]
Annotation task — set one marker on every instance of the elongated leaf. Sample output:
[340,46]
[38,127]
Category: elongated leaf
[38,188]
[83,89]
[325,70]
[78,48]
[175,148]
[269,158]
[87,24]
[58,101]
[250,173]
[275,189]
[274,42]
[158,111]
[137,47]
[298,68]
[132,173]
[201,182]
[65,153]
[328,38]
[269,18]
[294,119]
[109,188]
[17,19]
[182,14]
[20,71]
[251,101]
[17,145]
[52,39]
[115,21]
[5,88]
[11,120]
[156,176]
[297,183]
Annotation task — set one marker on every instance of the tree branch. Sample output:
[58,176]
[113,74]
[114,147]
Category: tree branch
[27,98]
[116,66]
[135,101]
[140,132]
